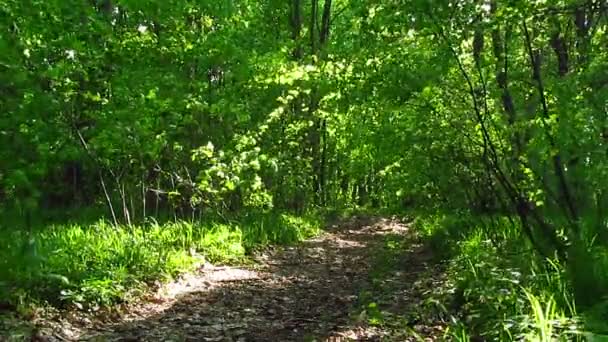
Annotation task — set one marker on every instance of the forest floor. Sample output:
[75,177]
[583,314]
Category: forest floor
[364,279]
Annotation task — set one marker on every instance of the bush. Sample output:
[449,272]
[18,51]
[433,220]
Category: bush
[499,288]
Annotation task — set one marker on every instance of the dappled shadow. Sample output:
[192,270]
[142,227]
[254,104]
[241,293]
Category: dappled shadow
[300,293]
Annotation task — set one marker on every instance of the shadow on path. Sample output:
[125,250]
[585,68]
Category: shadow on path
[309,292]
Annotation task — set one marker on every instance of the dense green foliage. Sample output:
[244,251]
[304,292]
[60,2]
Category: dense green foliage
[188,110]
[496,288]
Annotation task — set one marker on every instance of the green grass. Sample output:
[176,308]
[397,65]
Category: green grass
[373,297]
[499,289]
[94,265]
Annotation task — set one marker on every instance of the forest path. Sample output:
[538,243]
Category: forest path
[325,289]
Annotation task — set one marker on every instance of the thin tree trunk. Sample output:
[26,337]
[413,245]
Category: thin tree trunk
[123,198]
[85,146]
[557,161]
[296,27]
[323,167]
[325,23]
[143,197]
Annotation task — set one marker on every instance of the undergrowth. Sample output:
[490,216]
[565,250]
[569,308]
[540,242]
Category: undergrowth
[498,288]
[374,298]
[94,265]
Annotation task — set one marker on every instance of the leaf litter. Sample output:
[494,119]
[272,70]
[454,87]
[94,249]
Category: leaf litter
[307,292]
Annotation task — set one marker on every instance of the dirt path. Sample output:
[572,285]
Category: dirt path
[316,291]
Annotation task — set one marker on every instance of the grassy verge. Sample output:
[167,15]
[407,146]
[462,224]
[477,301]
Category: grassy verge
[499,289]
[375,300]
[94,265]
[399,302]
